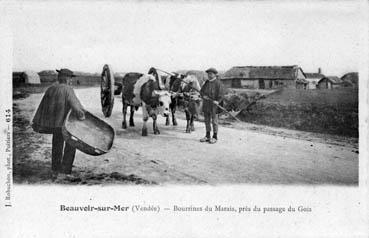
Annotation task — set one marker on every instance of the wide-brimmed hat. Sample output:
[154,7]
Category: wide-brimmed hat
[66,72]
[212,70]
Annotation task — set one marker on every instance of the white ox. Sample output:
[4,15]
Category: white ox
[148,93]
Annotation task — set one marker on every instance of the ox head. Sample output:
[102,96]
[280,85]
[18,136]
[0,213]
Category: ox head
[164,101]
[190,83]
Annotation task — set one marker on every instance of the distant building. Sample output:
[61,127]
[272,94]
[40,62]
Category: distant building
[313,79]
[48,76]
[351,78]
[330,82]
[265,77]
[26,77]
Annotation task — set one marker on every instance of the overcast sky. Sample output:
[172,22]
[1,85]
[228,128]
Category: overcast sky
[133,36]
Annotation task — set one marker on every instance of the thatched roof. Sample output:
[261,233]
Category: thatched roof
[314,75]
[352,77]
[262,72]
[47,72]
[332,79]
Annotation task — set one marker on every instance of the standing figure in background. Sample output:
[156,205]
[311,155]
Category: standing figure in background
[57,101]
[212,92]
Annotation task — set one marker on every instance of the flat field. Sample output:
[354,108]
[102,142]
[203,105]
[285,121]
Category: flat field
[324,111]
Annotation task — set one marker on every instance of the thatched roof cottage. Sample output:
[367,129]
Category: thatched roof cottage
[352,77]
[264,77]
[330,82]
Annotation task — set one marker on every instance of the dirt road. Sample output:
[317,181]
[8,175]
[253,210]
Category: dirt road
[242,154]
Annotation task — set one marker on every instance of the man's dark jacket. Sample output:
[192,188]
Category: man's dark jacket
[214,90]
[54,107]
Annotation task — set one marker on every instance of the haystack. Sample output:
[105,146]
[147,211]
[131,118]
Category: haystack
[31,77]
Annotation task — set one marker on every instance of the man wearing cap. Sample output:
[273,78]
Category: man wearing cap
[212,92]
[57,101]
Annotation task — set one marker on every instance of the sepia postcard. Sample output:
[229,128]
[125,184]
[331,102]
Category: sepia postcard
[184,118]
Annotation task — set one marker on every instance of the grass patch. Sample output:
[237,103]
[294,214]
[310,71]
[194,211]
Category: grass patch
[324,111]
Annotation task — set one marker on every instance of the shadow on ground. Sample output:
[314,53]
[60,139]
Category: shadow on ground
[32,162]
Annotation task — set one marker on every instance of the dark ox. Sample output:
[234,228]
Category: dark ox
[184,91]
[144,90]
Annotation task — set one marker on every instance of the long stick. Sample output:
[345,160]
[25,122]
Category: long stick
[165,72]
[203,97]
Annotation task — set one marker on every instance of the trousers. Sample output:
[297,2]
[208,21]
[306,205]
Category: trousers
[62,154]
[211,118]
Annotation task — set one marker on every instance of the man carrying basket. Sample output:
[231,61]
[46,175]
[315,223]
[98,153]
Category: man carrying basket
[57,101]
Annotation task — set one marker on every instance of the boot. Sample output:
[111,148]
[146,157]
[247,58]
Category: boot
[214,139]
[206,138]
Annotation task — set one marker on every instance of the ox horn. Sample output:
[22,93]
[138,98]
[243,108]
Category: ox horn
[154,71]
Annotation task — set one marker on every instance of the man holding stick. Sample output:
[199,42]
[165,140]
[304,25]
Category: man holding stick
[212,92]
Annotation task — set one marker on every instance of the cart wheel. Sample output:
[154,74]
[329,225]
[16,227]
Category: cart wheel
[107,90]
